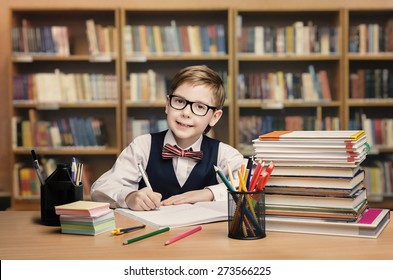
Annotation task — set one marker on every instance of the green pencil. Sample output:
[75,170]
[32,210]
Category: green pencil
[132,240]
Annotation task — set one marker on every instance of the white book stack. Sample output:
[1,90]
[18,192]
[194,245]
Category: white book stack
[317,178]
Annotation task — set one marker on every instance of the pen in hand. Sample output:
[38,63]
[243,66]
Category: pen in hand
[144,175]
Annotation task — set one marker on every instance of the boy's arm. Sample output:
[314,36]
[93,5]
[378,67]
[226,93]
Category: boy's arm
[189,197]
[123,178]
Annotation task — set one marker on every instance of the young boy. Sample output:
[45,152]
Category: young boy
[193,106]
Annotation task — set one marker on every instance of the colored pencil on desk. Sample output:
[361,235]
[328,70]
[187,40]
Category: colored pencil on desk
[131,228]
[185,234]
[132,240]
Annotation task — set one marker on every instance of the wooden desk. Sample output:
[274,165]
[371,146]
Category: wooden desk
[23,237]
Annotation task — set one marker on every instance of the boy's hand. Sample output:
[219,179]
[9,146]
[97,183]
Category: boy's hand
[144,199]
[189,197]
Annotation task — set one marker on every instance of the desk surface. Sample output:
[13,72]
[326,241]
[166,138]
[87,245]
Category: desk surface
[23,237]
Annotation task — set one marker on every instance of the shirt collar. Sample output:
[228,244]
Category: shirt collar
[170,139]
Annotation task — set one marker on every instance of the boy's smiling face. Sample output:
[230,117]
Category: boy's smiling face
[185,125]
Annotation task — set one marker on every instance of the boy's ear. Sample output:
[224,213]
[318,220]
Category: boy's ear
[216,117]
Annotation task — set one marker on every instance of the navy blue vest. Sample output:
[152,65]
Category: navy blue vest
[162,176]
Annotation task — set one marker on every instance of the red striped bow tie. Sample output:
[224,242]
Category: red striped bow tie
[170,151]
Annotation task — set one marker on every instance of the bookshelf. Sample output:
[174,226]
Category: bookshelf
[240,112]
[369,93]
[272,57]
[168,41]
[69,104]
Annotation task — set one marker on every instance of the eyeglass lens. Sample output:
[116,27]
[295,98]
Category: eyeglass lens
[180,103]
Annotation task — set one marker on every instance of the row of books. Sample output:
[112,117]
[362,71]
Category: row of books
[298,38]
[149,86]
[318,181]
[371,83]
[152,86]
[379,130]
[174,39]
[379,179]
[253,126]
[85,217]
[60,87]
[102,39]
[371,38]
[136,127]
[280,86]
[40,40]
[64,132]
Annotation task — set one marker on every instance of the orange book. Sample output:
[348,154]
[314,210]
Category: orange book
[346,135]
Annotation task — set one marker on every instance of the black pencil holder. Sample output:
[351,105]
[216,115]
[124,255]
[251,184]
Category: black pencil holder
[57,190]
[246,215]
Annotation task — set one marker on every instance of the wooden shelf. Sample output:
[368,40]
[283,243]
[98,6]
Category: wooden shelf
[287,57]
[105,108]
[55,106]
[371,56]
[339,65]
[174,57]
[69,151]
[370,102]
[258,103]
[27,58]
[166,63]
[278,56]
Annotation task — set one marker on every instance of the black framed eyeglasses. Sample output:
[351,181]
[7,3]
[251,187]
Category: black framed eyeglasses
[198,108]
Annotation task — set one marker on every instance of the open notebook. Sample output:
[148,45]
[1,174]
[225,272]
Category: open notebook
[180,215]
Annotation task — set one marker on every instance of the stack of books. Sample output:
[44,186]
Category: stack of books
[317,184]
[85,217]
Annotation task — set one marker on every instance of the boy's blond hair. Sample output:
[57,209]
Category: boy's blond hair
[201,75]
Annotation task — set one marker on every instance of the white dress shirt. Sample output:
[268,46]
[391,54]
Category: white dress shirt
[123,178]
